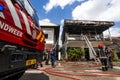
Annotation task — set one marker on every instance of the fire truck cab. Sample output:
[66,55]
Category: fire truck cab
[21,38]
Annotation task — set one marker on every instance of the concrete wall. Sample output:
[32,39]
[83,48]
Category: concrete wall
[50,32]
[50,39]
[84,45]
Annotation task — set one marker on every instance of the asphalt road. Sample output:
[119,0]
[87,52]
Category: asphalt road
[40,75]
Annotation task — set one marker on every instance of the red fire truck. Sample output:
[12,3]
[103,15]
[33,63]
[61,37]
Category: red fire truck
[21,38]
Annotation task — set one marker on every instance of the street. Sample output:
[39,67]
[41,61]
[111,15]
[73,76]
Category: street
[72,71]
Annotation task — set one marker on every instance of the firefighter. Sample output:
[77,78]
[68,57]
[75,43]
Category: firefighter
[103,57]
[109,58]
[47,58]
[53,58]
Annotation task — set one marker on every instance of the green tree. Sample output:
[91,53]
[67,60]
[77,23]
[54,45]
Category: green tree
[75,54]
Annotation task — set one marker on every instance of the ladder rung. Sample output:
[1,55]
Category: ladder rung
[91,47]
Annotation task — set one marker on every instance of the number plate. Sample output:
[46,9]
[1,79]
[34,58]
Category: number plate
[30,62]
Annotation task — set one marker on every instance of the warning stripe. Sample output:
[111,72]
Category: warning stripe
[26,23]
[6,14]
[39,35]
[42,38]
[17,17]
[1,15]
[13,13]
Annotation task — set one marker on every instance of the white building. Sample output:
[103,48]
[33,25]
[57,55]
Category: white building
[51,32]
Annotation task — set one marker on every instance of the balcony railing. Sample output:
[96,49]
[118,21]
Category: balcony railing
[90,37]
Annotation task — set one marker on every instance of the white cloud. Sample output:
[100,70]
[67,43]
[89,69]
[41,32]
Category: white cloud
[46,20]
[114,32]
[98,10]
[104,10]
[55,3]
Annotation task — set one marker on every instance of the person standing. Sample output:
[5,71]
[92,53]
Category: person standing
[103,57]
[108,54]
[46,58]
[53,58]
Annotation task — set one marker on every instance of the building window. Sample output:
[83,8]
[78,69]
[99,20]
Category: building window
[46,36]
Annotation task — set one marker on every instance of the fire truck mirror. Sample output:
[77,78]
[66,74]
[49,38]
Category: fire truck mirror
[1,8]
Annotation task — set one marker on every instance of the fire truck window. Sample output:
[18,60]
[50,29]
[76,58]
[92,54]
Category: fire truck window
[18,2]
[27,6]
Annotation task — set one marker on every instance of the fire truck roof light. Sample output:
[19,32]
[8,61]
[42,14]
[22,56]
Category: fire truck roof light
[1,8]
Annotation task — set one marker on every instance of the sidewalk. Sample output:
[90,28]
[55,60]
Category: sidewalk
[81,71]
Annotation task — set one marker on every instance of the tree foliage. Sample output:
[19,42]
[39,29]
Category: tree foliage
[75,54]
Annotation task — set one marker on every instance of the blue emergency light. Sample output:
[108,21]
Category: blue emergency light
[1,8]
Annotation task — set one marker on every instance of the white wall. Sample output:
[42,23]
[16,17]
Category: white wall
[50,32]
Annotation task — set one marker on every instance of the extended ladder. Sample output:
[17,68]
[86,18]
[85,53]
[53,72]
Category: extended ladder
[91,48]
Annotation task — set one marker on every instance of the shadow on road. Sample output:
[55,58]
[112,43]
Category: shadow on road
[34,76]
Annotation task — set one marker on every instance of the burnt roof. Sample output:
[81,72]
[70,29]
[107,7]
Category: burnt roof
[77,26]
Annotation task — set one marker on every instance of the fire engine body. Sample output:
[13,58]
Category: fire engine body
[21,38]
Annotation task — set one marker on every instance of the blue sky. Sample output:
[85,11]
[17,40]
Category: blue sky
[56,11]
[56,14]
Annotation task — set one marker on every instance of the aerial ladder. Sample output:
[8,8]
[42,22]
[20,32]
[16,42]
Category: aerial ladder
[97,60]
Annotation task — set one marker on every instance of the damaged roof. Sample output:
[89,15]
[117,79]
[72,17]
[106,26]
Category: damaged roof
[77,26]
